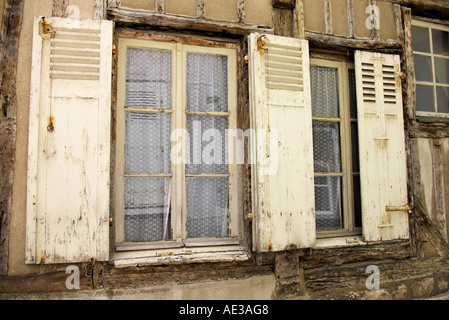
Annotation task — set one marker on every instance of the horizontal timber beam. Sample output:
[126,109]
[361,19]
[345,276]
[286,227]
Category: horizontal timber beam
[130,16]
[341,43]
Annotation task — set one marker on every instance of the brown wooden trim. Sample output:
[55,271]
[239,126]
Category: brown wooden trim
[130,16]
[10,35]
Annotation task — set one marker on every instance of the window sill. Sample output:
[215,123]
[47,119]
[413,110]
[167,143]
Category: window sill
[326,243]
[179,256]
[432,117]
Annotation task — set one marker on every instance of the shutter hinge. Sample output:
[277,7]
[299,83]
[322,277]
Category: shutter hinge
[46,29]
[261,44]
[405,208]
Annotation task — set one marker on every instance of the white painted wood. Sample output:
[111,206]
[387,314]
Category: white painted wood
[282,144]
[69,167]
[383,167]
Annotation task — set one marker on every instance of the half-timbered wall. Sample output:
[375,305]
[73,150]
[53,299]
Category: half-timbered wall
[333,28]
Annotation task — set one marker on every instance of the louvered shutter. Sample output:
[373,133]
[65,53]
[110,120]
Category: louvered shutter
[282,150]
[383,171]
[69,141]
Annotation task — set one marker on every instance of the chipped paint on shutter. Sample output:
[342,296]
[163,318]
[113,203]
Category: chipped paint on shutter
[69,142]
[382,146]
[282,144]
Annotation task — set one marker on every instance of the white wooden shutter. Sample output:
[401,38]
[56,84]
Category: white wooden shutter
[383,170]
[69,141]
[282,150]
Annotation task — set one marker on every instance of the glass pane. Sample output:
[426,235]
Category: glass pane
[440,40]
[423,68]
[352,95]
[357,202]
[355,147]
[328,203]
[148,78]
[208,144]
[424,98]
[326,146]
[207,82]
[207,207]
[442,70]
[443,99]
[147,142]
[147,209]
[421,39]
[325,102]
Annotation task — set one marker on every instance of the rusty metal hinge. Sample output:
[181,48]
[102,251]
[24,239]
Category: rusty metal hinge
[405,208]
[261,44]
[46,29]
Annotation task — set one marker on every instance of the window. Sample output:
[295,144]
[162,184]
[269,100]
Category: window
[336,160]
[175,186]
[431,53]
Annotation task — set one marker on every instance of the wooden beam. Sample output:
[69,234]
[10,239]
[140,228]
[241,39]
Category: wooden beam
[328,17]
[139,17]
[159,6]
[428,8]
[351,26]
[10,35]
[284,4]
[298,16]
[342,43]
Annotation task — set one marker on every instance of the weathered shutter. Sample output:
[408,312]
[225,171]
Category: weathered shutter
[383,171]
[281,144]
[69,141]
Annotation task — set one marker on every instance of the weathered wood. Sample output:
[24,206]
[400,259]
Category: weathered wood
[431,231]
[342,43]
[429,8]
[283,4]
[60,8]
[283,22]
[99,9]
[138,19]
[68,199]
[159,6]
[383,172]
[328,17]
[241,10]
[351,26]
[10,34]
[298,16]
[200,10]
[349,281]
[282,165]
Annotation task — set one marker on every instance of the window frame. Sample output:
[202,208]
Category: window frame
[346,143]
[179,50]
[437,26]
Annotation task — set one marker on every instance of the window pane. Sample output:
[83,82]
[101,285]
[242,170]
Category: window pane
[424,98]
[443,99]
[423,68]
[442,70]
[147,142]
[325,101]
[208,144]
[352,95]
[207,82]
[207,207]
[328,203]
[440,40]
[326,146]
[147,209]
[355,147]
[148,78]
[357,202]
[420,39]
